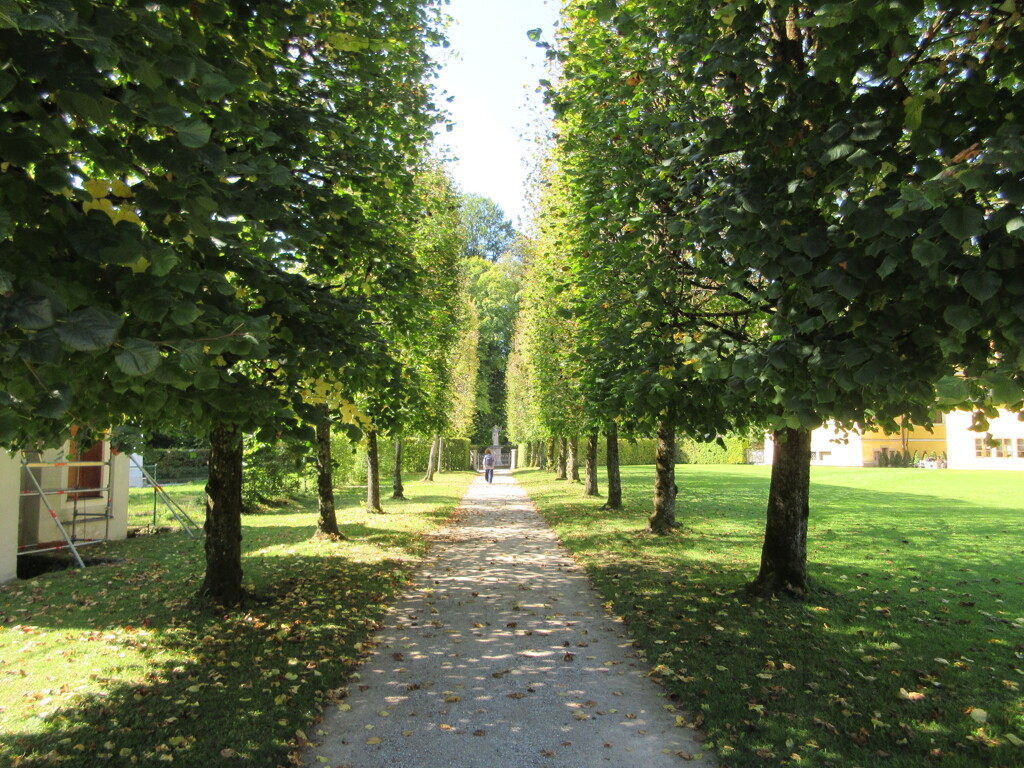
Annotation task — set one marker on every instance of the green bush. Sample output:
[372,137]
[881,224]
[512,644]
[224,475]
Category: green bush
[270,473]
[350,461]
[175,465]
[694,452]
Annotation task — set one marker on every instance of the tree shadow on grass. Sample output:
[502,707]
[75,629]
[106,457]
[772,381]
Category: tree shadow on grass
[243,681]
[895,612]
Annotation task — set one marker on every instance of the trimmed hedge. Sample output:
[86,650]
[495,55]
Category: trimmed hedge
[178,464]
[694,452]
[350,462]
[642,451]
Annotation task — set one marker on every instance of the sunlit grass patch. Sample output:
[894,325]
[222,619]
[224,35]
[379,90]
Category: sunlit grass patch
[119,663]
[909,651]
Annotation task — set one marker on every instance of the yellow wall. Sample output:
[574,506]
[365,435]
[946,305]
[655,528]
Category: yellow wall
[913,439]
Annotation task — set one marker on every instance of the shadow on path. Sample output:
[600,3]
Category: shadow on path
[502,655]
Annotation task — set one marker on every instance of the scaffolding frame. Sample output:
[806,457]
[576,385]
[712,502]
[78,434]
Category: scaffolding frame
[78,515]
[184,520]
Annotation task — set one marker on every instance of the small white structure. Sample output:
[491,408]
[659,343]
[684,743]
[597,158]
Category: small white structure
[48,498]
[136,477]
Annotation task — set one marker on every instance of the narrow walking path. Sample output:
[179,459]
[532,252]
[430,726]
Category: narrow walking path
[501,656]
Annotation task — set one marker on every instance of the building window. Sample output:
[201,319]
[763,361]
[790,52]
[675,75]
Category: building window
[1003,448]
[980,451]
[940,418]
[1020,448]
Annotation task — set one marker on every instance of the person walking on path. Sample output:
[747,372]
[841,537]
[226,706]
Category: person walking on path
[488,462]
[501,656]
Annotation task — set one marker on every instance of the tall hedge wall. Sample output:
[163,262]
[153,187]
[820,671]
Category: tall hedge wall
[687,452]
[350,463]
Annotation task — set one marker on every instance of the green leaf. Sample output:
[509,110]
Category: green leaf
[862,159]
[927,252]
[138,357]
[838,152]
[10,13]
[982,285]
[534,34]
[89,329]
[963,222]
[951,390]
[962,317]
[214,86]
[194,133]
[1005,391]
[31,313]
[163,261]
[206,378]
[185,314]
[54,404]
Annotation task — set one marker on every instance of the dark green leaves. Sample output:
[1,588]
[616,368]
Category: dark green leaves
[89,329]
[194,133]
[962,317]
[138,357]
[30,312]
[982,285]
[963,222]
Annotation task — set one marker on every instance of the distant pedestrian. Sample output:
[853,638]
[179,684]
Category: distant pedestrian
[488,463]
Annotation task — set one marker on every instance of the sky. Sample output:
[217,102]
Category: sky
[491,70]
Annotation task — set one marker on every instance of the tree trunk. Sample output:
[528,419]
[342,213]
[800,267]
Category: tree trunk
[396,484]
[612,463]
[590,475]
[440,452]
[664,518]
[223,581]
[560,465]
[552,463]
[327,522]
[784,553]
[573,460]
[372,473]
[431,460]
[539,455]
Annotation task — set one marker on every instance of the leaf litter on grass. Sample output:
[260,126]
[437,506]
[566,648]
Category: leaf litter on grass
[158,676]
[898,608]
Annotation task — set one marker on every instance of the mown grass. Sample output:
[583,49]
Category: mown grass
[118,664]
[909,652]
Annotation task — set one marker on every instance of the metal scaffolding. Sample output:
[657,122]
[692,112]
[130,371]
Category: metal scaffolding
[81,513]
[183,518]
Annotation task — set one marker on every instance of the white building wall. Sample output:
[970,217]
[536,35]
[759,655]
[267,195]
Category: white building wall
[962,448]
[10,487]
[829,448]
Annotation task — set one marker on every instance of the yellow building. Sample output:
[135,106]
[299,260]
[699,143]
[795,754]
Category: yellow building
[949,443]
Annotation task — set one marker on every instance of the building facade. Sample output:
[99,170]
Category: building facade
[87,494]
[950,443]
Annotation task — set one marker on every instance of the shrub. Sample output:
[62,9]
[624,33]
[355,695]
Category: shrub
[271,473]
[176,465]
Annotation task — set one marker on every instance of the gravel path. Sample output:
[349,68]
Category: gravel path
[502,656]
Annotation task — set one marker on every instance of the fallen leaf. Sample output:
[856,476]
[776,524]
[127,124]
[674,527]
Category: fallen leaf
[373,740]
[978,715]
[910,695]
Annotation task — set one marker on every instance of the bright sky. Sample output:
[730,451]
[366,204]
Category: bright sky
[492,69]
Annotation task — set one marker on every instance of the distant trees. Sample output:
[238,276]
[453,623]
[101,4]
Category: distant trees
[489,234]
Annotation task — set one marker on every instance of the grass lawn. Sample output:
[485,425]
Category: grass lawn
[117,664]
[910,651]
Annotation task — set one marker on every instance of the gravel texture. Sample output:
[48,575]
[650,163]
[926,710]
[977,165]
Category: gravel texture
[502,655]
